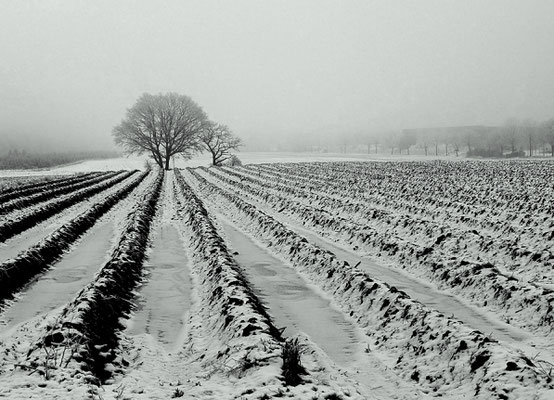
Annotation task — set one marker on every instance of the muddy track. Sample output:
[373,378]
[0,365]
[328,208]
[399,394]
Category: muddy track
[438,352]
[37,214]
[15,273]
[88,326]
[481,283]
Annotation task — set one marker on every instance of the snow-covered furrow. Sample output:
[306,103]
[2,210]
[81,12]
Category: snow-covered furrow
[525,254]
[480,282]
[439,189]
[164,298]
[9,183]
[21,242]
[489,195]
[15,273]
[63,280]
[51,192]
[491,244]
[246,336]
[301,309]
[44,185]
[240,320]
[18,222]
[419,289]
[292,304]
[438,352]
[85,335]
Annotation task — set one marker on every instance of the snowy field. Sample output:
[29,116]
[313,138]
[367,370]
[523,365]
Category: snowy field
[134,162]
[405,279]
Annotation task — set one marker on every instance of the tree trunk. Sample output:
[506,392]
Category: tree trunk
[157,158]
[167,163]
[436,149]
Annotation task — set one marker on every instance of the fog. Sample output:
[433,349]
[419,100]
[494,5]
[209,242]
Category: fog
[272,69]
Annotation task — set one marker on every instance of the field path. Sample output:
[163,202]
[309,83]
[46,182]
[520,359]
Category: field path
[165,297]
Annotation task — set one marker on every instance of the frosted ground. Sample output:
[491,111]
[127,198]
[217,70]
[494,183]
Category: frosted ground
[374,324]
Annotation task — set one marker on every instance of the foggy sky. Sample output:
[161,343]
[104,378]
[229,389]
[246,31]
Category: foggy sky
[69,69]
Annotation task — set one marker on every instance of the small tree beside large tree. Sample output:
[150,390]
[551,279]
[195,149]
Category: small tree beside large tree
[162,126]
[219,141]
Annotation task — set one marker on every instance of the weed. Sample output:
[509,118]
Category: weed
[177,393]
[119,390]
[333,396]
[292,368]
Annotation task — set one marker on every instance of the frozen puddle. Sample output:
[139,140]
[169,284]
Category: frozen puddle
[60,284]
[292,303]
[165,297]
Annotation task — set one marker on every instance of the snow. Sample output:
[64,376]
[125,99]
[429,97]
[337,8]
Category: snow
[60,284]
[164,300]
[196,326]
[428,350]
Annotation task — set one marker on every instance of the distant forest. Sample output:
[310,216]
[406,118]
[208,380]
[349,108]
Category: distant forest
[516,138]
[20,159]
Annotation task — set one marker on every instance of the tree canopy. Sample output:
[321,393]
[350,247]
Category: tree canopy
[163,126]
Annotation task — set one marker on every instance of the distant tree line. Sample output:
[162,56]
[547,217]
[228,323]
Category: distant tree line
[21,159]
[515,138]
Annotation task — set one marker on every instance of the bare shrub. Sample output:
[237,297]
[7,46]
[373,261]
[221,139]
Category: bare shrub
[234,161]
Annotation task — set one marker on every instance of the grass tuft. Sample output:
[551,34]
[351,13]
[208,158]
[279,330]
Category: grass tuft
[292,368]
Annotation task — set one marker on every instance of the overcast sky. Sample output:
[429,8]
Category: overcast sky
[69,69]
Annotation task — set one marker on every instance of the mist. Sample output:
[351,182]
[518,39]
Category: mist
[272,70]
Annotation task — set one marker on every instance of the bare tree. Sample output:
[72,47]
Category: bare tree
[549,134]
[163,126]
[406,140]
[512,133]
[529,128]
[219,141]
